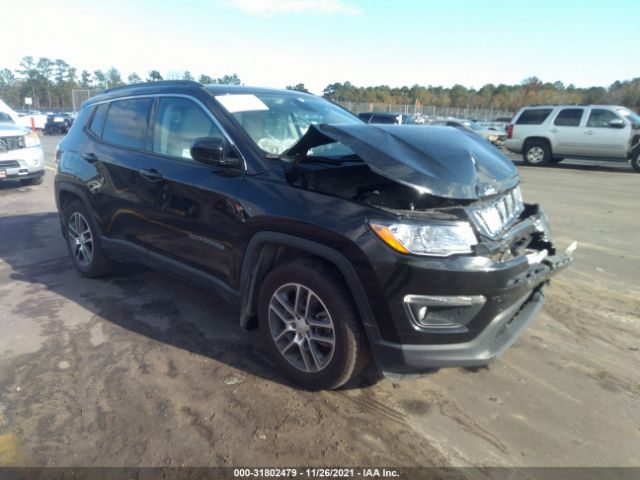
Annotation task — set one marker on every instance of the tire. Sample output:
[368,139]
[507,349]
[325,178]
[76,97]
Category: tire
[88,256]
[329,315]
[536,153]
[54,131]
[635,161]
[32,181]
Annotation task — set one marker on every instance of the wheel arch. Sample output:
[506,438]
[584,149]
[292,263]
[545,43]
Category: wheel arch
[537,139]
[266,250]
[65,194]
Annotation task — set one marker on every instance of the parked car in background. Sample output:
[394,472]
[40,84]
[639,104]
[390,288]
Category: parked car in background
[493,136]
[21,155]
[339,240]
[546,134]
[32,119]
[382,118]
[58,124]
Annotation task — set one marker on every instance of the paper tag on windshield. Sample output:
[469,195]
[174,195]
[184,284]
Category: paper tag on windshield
[241,103]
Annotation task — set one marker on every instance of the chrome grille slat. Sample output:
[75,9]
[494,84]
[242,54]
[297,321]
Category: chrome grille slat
[494,217]
[9,164]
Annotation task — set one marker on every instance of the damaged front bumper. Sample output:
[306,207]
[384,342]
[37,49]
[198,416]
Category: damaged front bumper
[465,311]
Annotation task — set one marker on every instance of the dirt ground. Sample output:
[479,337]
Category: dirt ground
[139,369]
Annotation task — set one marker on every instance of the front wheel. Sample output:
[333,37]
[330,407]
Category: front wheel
[310,325]
[536,153]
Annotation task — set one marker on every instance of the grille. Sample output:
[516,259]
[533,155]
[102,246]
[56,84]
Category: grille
[9,164]
[493,218]
[11,143]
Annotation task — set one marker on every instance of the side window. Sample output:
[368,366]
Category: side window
[126,122]
[179,121]
[5,118]
[534,116]
[97,123]
[600,118]
[569,117]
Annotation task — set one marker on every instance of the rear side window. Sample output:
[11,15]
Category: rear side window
[600,118]
[569,117]
[126,122]
[534,116]
[98,119]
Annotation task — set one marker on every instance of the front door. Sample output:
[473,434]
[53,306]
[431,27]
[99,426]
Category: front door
[189,207]
[603,140]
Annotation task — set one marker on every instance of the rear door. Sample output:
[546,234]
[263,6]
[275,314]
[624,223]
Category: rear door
[110,165]
[566,132]
[603,140]
[189,207]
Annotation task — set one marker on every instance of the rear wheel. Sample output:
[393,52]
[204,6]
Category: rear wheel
[83,242]
[537,153]
[310,325]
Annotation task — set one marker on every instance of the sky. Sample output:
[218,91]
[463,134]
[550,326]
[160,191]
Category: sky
[275,43]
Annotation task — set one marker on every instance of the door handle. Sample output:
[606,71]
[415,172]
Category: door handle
[90,157]
[151,174]
[588,132]
[554,130]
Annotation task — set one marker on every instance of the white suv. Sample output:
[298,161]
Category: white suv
[548,133]
[21,156]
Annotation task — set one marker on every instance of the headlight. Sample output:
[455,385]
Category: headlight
[31,139]
[439,240]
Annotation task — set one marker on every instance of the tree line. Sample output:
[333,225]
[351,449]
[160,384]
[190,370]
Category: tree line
[50,84]
[506,97]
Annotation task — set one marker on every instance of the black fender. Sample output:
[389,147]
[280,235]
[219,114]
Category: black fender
[249,274]
[75,190]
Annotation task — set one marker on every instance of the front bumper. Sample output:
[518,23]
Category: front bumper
[22,164]
[502,298]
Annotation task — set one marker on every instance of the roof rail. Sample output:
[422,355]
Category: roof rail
[160,82]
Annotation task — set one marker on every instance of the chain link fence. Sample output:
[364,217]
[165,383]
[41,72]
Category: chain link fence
[431,111]
[79,96]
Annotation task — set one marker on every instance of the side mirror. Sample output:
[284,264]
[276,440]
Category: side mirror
[616,123]
[212,151]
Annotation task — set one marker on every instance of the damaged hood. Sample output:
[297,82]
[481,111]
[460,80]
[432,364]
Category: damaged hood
[441,161]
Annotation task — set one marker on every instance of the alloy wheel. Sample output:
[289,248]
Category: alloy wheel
[301,327]
[80,239]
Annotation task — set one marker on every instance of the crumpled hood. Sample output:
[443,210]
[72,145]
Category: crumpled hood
[441,161]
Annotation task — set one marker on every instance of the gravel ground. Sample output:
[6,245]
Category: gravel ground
[141,369]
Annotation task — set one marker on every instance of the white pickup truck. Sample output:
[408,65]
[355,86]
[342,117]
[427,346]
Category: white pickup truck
[549,133]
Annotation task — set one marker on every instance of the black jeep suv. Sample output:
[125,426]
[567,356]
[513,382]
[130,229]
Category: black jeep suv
[341,241]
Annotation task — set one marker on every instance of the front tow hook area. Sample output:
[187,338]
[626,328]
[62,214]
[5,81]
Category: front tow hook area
[560,262]
[543,268]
